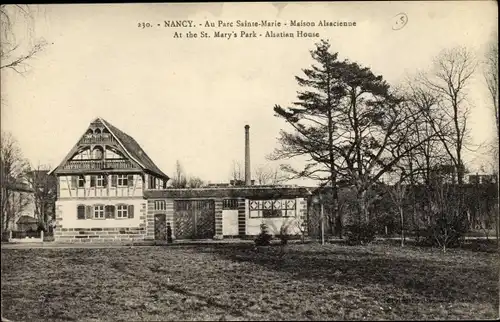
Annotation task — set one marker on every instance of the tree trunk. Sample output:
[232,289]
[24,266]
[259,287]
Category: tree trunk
[339,224]
[362,208]
[401,213]
[497,227]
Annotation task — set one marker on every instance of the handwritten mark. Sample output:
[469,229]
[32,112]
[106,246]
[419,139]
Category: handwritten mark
[399,21]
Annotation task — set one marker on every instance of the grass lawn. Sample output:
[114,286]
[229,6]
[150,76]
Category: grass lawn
[234,282]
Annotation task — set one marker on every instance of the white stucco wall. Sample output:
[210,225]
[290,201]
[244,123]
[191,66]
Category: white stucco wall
[69,219]
[230,222]
[274,224]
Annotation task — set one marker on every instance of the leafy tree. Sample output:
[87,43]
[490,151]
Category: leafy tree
[349,123]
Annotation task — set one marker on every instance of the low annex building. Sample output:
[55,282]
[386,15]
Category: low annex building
[109,189]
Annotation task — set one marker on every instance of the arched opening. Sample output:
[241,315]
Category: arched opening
[98,153]
[97,131]
[89,133]
[105,133]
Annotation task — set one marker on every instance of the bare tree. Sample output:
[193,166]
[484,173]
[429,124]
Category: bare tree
[44,192]
[490,73]
[179,180]
[195,182]
[398,193]
[452,73]
[266,174]
[449,220]
[13,168]
[237,172]
[16,52]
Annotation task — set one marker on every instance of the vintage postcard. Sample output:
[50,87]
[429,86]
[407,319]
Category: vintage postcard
[250,161]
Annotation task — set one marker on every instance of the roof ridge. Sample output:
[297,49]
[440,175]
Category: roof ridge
[138,152]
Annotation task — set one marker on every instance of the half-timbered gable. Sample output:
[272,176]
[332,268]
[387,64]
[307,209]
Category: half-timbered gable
[101,184]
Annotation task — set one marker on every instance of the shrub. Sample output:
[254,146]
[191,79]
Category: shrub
[264,238]
[445,232]
[360,234]
[284,235]
[5,236]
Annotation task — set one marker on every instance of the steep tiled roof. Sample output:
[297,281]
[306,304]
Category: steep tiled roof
[134,149]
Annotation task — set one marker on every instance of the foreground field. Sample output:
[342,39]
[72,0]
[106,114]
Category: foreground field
[234,282]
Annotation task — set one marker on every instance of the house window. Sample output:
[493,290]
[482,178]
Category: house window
[110,211]
[152,182]
[100,181]
[272,208]
[80,212]
[122,180]
[122,211]
[230,204]
[81,181]
[99,212]
[160,205]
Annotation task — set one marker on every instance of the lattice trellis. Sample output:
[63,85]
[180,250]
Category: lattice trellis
[183,224]
[205,223]
[194,219]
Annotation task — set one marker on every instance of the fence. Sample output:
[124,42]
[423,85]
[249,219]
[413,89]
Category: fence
[24,236]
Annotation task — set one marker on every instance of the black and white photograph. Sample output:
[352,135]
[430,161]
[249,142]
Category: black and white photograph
[250,161]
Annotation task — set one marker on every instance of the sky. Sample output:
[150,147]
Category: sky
[189,99]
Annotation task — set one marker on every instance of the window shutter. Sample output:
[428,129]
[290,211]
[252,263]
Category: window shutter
[92,181]
[113,180]
[130,180]
[110,211]
[80,212]
[131,211]
[105,180]
[74,182]
[88,212]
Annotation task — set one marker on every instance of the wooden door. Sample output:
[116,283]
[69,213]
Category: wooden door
[194,219]
[160,227]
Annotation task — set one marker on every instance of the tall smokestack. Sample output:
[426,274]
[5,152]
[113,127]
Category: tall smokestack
[247,156]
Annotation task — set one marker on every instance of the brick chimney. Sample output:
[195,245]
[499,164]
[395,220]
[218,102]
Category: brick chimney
[248,180]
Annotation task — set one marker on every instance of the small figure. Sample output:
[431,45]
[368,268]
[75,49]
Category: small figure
[169,233]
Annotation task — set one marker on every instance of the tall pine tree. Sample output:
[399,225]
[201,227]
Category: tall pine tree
[349,123]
